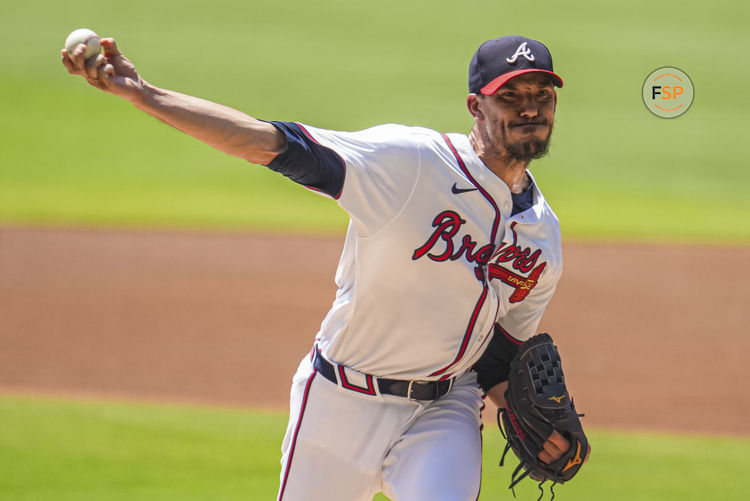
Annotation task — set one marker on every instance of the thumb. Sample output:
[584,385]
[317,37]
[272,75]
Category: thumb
[110,48]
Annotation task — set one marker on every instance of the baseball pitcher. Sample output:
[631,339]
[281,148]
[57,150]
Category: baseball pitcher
[450,259]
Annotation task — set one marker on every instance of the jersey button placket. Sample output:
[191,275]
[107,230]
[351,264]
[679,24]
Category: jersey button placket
[506,208]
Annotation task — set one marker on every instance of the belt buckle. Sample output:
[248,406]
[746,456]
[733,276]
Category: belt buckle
[411,387]
[408,390]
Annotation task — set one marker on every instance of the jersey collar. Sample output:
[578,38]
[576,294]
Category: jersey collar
[495,186]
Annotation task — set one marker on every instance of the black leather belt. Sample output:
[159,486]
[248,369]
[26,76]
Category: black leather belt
[413,390]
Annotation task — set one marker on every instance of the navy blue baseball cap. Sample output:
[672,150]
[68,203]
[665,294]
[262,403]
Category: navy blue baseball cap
[497,61]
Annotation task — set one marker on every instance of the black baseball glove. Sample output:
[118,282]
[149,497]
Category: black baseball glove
[538,403]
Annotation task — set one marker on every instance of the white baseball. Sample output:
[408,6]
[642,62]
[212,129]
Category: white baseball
[86,37]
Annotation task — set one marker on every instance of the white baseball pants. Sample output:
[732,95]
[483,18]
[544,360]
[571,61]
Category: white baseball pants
[341,445]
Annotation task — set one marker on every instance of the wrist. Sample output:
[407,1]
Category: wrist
[145,95]
[497,394]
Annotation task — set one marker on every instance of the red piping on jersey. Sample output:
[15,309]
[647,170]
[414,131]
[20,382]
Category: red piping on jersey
[296,432]
[510,338]
[336,197]
[485,194]
[467,336]
[493,236]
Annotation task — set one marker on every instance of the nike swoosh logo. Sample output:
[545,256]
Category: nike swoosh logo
[457,191]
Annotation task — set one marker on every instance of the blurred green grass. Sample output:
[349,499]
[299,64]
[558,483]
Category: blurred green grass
[59,449]
[73,156]
[52,449]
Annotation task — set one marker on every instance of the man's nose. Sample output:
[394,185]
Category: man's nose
[529,108]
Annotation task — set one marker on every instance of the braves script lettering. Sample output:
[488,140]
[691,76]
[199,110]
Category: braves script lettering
[443,245]
[446,225]
[523,259]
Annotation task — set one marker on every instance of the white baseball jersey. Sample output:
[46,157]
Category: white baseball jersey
[433,257]
[433,261]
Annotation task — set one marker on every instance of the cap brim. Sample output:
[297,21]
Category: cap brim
[492,87]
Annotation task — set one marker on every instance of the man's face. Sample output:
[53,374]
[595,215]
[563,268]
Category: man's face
[518,118]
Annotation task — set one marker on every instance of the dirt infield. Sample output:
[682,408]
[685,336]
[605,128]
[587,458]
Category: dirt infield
[652,337]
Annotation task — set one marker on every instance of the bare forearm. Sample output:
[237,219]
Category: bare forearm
[497,394]
[224,128]
[219,126]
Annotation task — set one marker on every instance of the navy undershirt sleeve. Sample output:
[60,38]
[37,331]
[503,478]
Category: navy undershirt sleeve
[494,365]
[307,162]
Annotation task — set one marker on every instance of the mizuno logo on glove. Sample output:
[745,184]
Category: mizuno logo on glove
[576,460]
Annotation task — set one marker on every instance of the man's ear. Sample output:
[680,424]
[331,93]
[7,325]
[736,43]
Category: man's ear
[472,102]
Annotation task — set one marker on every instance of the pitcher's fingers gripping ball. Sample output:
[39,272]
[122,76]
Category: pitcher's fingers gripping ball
[86,37]
[82,55]
[111,71]
[538,404]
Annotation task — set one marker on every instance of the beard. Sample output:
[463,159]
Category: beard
[525,150]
